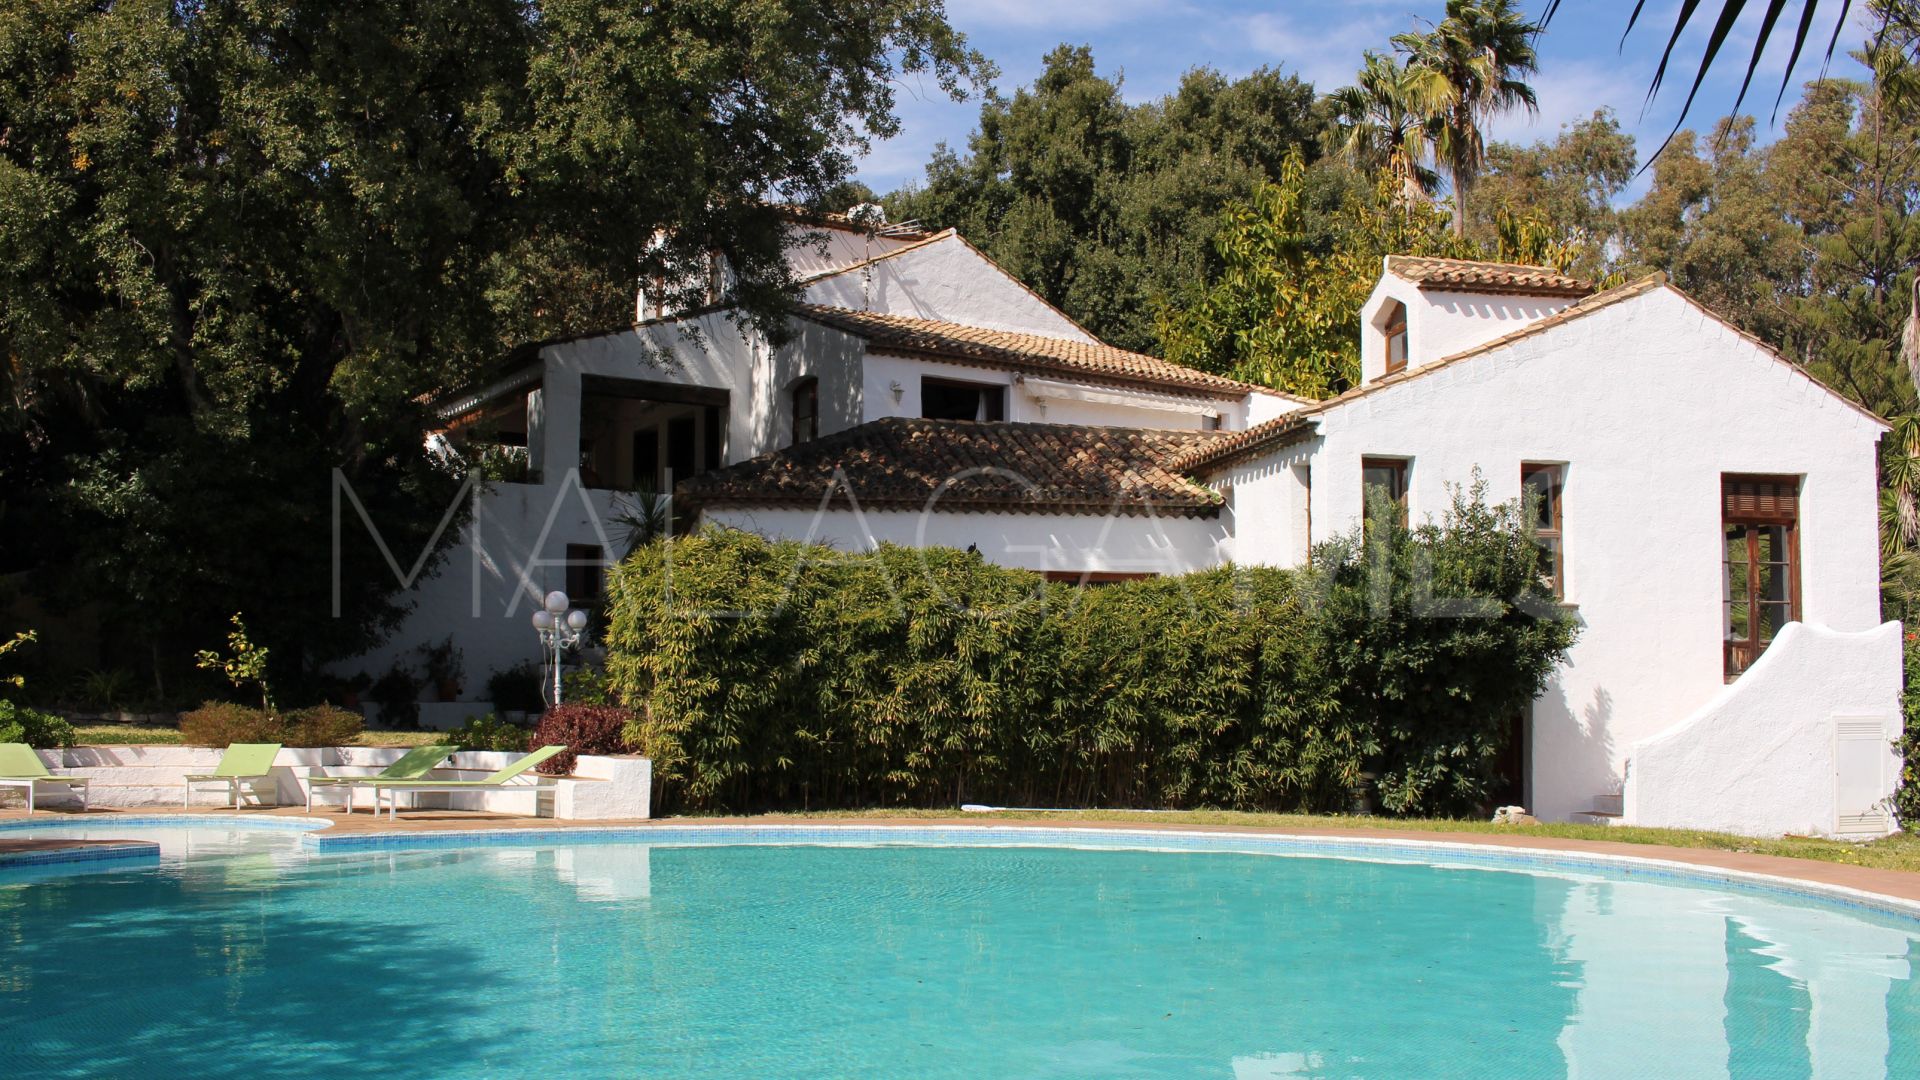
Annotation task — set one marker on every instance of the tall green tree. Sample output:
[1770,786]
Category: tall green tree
[1569,185]
[1469,67]
[1715,224]
[243,240]
[1384,123]
[1285,310]
[1104,207]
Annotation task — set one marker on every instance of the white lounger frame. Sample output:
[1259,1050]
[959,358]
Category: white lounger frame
[234,784]
[393,789]
[32,786]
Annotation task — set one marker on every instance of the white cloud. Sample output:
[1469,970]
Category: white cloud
[1326,55]
[1040,14]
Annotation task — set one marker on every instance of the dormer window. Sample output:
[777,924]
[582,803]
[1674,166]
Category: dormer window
[1396,334]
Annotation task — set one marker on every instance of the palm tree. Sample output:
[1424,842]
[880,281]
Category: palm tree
[1469,67]
[1381,122]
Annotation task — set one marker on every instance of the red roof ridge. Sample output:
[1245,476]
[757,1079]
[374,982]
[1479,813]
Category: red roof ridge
[1477,275]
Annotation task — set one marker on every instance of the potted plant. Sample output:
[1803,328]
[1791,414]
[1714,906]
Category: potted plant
[445,668]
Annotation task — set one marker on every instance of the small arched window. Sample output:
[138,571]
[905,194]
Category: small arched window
[1395,329]
[806,410]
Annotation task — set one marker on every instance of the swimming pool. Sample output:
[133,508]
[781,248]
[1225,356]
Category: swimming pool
[795,953]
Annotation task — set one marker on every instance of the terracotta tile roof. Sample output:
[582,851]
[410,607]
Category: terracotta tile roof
[1464,275]
[1237,446]
[904,464]
[960,343]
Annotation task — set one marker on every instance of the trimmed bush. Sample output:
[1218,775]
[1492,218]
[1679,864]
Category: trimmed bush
[779,676]
[1906,790]
[323,725]
[219,723]
[582,729]
[489,732]
[40,730]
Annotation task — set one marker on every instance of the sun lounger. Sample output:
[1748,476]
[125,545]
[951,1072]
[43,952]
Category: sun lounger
[494,782]
[20,767]
[242,762]
[412,765]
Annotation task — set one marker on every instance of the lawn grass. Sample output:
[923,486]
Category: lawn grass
[1900,851]
[163,735]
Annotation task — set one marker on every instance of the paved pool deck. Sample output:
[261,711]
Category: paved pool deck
[1897,884]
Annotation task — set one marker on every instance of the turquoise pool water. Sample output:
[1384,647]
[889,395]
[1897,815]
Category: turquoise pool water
[249,953]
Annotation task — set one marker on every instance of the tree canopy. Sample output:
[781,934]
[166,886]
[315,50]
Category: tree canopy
[244,240]
[1104,207]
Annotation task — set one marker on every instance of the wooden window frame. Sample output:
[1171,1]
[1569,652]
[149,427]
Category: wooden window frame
[1555,530]
[1396,328]
[1764,510]
[1402,468]
[807,390]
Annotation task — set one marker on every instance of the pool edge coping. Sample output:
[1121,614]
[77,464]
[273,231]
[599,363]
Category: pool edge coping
[318,835]
[1048,834]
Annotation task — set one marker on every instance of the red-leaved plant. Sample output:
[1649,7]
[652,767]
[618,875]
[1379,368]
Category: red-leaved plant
[582,729]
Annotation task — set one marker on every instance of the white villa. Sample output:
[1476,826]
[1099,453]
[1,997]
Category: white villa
[1711,508]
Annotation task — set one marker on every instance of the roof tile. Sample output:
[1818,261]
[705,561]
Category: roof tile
[1022,352]
[1466,275]
[901,463]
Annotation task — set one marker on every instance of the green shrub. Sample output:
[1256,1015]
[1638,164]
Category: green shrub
[489,732]
[771,675]
[516,689]
[40,730]
[322,725]
[1441,634]
[1906,793]
[585,685]
[398,694]
[220,723]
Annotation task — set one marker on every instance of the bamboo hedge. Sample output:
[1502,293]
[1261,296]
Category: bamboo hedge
[775,675]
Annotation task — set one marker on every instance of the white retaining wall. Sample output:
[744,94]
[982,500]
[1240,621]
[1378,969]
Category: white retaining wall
[601,788]
[1802,743]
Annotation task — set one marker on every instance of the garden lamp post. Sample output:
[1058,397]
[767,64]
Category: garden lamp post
[559,630]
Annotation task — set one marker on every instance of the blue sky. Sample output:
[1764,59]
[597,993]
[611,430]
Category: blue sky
[1152,42]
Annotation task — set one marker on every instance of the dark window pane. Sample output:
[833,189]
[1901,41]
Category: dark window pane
[680,447]
[941,400]
[646,459]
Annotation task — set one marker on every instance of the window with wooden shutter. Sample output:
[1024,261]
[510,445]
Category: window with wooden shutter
[1760,569]
[1395,330]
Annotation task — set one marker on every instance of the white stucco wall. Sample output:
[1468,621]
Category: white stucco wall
[840,248]
[511,553]
[1163,545]
[1760,757]
[1441,323]
[1270,502]
[1647,401]
[1261,406]
[947,280]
